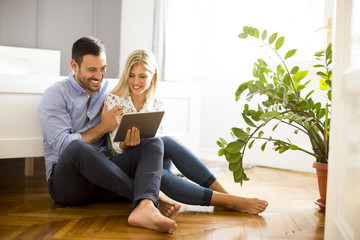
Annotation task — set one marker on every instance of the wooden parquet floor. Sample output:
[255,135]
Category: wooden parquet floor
[28,212]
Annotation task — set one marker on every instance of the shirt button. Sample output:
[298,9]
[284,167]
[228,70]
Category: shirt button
[89,125]
[88,113]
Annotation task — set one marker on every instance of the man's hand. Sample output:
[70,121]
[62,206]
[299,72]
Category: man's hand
[110,120]
[132,139]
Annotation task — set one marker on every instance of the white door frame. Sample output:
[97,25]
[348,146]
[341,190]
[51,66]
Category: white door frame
[343,205]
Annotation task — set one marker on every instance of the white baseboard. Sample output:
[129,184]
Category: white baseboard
[290,160]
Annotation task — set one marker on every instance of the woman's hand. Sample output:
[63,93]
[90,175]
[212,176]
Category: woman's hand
[132,139]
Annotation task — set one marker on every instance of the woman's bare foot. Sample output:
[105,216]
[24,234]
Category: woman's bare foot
[168,207]
[146,215]
[240,204]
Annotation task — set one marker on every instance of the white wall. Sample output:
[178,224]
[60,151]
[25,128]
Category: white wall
[136,27]
[56,25]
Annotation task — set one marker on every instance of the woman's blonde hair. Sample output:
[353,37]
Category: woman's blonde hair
[145,58]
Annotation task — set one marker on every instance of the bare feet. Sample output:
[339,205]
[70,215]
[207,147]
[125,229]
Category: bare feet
[146,215]
[168,207]
[216,186]
[250,205]
[240,204]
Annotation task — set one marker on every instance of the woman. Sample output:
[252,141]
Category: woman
[135,92]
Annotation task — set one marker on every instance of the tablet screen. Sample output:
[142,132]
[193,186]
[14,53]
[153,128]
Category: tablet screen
[147,123]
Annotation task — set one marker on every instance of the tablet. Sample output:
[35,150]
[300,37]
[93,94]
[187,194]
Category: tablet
[147,123]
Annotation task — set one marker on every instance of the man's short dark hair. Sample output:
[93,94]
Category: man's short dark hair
[86,45]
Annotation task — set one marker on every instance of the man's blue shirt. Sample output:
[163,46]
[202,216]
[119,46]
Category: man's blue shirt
[64,114]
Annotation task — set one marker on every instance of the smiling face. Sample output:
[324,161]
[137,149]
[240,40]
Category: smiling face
[139,80]
[91,72]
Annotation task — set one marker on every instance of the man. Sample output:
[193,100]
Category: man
[78,167]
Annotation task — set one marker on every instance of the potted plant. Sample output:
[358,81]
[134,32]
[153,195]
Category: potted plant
[283,101]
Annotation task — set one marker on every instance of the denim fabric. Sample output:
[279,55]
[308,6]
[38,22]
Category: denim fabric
[82,173]
[192,168]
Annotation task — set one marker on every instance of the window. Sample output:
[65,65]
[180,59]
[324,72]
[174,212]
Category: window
[202,41]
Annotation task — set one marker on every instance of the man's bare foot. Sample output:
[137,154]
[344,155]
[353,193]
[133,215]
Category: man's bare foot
[168,207]
[146,215]
[240,204]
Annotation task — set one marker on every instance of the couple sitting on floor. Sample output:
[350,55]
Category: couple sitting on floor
[79,117]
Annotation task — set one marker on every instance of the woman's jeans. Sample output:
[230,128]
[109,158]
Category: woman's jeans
[192,168]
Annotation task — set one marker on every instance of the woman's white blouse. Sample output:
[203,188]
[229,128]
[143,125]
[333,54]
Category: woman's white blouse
[112,100]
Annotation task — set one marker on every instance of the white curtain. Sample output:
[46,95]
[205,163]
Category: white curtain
[159,35]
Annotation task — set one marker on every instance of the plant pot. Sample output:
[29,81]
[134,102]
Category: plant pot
[321,172]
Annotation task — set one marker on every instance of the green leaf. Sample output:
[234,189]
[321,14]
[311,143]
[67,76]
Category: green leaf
[321,74]
[276,126]
[263,146]
[241,89]
[240,176]
[239,133]
[234,166]
[260,85]
[300,75]
[221,152]
[260,133]
[243,35]
[328,52]
[272,38]
[220,144]
[293,147]
[318,66]
[251,31]
[256,33]
[261,62]
[246,29]
[294,70]
[248,121]
[317,107]
[231,158]
[308,95]
[303,105]
[319,54]
[283,149]
[279,43]
[234,147]
[253,88]
[266,103]
[321,113]
[270,114]
[260,74]
[290,53]
[263,35]
[285,97]
[301,87]
[251,144]
[222,141]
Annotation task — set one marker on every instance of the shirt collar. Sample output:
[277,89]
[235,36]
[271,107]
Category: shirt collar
[75,84]
[80,89]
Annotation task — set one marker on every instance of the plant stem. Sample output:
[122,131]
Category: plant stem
[286,68]
[274,140]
